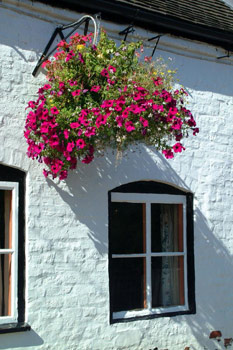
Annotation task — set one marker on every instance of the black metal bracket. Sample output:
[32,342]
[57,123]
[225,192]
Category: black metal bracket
[59,31]
[126,31]
[225,56]
[156,44]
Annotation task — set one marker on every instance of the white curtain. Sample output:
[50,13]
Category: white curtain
[170,283]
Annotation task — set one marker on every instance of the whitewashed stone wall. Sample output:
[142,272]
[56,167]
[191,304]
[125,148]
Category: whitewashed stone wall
[67,223]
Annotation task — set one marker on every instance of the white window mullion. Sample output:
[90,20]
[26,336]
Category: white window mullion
[148,256]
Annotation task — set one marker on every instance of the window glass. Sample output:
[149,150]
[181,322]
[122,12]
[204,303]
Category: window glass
[128,284]
[127,228]
[5,284]
[166,227]
[167,274]
[5,219]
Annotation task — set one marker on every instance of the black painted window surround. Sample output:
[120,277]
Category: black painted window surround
[8,175]
[127,251]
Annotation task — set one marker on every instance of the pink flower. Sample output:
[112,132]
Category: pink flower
[88,159]
[107,104]
[75,125]
[90,131]
[70,146]
[158,81]
[95,88]
[195,131]
[168,153]
[56,167]
[104,73]
[76,92]
[47,87]
[111,69]
[144,122]
[129,126]
[69,56]
[44,64]
[178,147]
[45,173]
[63,175]
[66,134]
[80,143]
[101,120]
[119,120]
[54,110]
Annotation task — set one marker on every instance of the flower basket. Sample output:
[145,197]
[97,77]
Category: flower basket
[103,96]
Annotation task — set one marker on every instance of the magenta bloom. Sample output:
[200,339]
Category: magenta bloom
[75,125]
[101,120]
[95,88]
[47,87]
[54,110]
[129,126]
[168,153]
[88,159]
[104,73]
[63,175]
[76,92]
[70,55]
[70,146]
[178,147]
[144,122]
[90,131]
[111,69]
[80,143]
[66,134]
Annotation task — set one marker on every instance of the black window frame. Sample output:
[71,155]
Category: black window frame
[153,187]
[10,174]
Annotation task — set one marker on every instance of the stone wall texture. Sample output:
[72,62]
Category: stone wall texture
[67,284]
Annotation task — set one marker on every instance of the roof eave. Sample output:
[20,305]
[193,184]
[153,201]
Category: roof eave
[120,12]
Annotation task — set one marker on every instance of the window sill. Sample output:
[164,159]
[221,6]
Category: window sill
[14,327]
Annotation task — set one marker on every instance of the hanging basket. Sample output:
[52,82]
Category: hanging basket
[100,96]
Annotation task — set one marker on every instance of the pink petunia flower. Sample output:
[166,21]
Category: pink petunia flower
[54,110]
[129,126]
[76,92]
[104,73]
[111,69]
[168,153]
[95,88]
[178,147]
[80,143]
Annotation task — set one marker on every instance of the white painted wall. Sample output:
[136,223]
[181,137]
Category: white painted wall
[67,223]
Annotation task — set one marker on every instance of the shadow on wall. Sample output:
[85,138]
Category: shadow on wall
[20,340]
[86,195]
[214,285]
[88,186]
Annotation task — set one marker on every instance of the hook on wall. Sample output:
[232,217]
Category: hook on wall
[156,44]
[126,31]
[225,56]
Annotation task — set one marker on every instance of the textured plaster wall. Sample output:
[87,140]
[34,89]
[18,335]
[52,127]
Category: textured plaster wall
[67,223]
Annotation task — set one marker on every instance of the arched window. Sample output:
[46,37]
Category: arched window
[12,250]
[151,257]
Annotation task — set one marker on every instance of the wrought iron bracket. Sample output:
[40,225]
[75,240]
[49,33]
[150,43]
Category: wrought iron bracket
[156,44]
[59,31]
[126,31]
[225,56]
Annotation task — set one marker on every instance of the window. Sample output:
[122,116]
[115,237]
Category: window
[151,265]
[12,254]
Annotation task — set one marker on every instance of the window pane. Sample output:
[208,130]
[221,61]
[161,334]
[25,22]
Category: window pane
[128,284]
[166,227]
[167,281]
[128,233]
[5,219]
[5,285]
